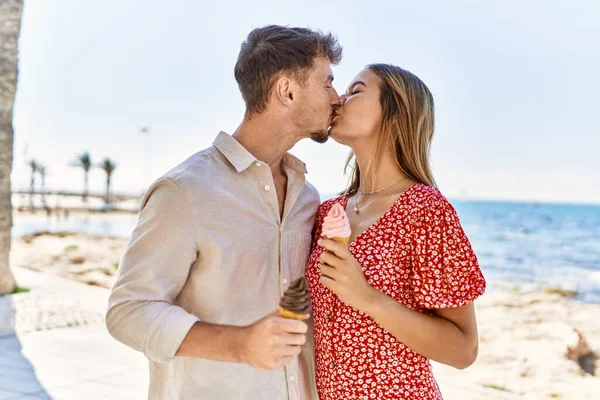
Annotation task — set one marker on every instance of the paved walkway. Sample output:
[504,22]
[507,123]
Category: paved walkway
[62,351]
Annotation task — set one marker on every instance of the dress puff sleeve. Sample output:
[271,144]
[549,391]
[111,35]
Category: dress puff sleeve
[446,272]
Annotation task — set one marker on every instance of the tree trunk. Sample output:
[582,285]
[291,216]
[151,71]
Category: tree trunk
[31,190]
[108,190]
[10,24]
[45,205]
[85,187]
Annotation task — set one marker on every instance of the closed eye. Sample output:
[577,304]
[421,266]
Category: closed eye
[354,86]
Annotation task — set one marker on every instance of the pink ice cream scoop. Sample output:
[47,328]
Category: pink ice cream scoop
[336,225]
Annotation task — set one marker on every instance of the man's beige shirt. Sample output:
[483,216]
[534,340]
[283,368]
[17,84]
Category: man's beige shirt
[210,246]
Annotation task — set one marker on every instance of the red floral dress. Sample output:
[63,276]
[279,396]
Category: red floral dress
[416,253]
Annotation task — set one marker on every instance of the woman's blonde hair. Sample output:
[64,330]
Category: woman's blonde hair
[407,126]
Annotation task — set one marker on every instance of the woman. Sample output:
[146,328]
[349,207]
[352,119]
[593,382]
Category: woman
[402,292]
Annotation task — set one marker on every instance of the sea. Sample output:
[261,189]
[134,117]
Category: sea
[520,245]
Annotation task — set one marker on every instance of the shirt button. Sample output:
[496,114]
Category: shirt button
[330,316]
[285,281]
[292,378]
[258,164]
[267,188]
[332,364]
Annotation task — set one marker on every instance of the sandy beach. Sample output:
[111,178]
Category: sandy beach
[85,258]
[535,345]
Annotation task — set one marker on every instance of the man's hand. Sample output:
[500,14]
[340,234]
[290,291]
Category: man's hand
[273,342]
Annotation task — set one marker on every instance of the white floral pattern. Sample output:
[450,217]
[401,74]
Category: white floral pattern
[416,253]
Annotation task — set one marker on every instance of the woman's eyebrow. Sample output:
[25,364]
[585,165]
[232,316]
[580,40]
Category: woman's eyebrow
[354,85]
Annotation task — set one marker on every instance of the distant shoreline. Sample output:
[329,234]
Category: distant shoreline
[74,211]
[329,195]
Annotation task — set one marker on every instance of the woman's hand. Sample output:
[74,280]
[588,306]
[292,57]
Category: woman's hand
[343,275]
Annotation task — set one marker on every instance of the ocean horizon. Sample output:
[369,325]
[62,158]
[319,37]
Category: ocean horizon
[527,244]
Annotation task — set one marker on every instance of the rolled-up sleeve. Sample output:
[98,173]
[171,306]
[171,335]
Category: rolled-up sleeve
[153,270]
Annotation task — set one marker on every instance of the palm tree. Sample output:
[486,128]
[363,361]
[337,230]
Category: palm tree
[10,15]
[43,172]
[108,166]
[34,170]
[84,161]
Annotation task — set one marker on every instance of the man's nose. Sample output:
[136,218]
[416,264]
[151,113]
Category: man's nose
[335,100]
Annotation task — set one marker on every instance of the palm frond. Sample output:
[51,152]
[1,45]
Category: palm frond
[108,166]
[83,160]
[34,166]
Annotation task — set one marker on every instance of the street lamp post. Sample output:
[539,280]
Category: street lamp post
[146,132]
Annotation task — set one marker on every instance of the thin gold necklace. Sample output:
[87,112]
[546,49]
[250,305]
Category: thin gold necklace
[356,204]
[385,188]
[375,192]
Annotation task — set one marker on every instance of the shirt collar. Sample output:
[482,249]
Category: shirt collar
[241,158]
[235,153]
[294,163]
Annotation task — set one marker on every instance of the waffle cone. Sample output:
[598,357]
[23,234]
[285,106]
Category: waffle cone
[291,315]
[343,240]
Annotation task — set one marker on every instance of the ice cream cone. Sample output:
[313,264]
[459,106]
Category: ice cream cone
[295,302]
[343,240]
[291,315]
[336,225]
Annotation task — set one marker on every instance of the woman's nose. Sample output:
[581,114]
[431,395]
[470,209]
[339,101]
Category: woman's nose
[343,99]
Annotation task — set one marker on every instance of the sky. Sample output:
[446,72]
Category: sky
[515,83]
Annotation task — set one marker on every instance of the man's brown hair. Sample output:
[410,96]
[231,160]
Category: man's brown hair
[273,49]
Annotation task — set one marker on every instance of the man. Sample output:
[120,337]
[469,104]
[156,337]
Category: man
[220,237]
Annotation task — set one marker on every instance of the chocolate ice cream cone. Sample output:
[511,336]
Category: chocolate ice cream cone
[295,302]
[291,315]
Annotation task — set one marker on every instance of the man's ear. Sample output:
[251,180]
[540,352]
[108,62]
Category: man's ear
[284,91]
